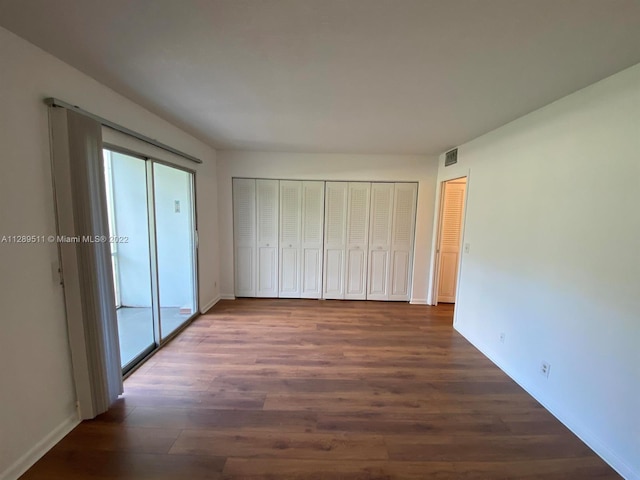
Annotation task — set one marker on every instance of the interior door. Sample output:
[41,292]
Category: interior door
[267,193]
[244,235]
[358,203]
[404,215]
[290,238]
[335,225]
[449,243]
[380,223]
[312,234]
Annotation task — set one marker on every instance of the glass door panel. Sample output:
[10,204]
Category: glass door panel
[175,237]
[126,186]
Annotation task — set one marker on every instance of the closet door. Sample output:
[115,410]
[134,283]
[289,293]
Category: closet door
[404,215]
[380,240]
[335,226]
[267,192]
[244,235]
[290,238]
[357,240]
[312,233]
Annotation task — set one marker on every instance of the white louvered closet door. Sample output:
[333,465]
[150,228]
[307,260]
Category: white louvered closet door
[380,223]
[244,235]
[357,240]
[402,234]
[290,238]
[267,194]
[335,226]
[312,236]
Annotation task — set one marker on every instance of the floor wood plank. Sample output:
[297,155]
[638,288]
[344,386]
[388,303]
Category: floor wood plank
[304,389]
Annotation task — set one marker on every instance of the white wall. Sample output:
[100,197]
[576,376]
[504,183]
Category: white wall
[553,221]
[407,168]
[37,394]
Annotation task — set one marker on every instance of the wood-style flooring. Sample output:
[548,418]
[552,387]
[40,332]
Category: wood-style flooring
[307,389]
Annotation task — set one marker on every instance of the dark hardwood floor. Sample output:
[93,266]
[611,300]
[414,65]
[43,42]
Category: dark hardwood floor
[306,389]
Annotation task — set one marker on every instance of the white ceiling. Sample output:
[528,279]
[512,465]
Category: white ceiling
[349,76]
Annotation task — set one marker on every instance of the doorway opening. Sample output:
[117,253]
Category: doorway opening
[449,241]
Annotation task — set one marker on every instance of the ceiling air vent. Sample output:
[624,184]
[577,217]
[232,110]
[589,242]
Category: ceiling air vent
[451,157]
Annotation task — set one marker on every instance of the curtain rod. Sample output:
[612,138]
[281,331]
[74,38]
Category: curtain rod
[54,102]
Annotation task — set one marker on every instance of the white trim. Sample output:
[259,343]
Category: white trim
[209,306]
[227,296]
[583,433]
[35,453]
[418,301]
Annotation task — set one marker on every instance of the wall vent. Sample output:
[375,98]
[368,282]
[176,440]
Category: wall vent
[451,157]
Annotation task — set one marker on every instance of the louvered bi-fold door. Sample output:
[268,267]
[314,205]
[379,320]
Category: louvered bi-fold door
[402,234]
[335,226]
[450,240]
[312,236]
[357,240]
[290,238]
[267,194]
[380,223]
[244,235]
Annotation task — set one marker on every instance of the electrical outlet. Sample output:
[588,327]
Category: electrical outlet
[545,368]
[502,337]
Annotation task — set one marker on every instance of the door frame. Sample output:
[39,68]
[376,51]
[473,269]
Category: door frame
[435,270]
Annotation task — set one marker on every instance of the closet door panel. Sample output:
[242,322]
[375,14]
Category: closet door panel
[289,280]
[400,275]
[380,224]
[378,282]
[334,274]
[357,240]
[290,238]
[312,273]
[244,234]
[267,237]
[267,282]
[356,273]
[335,220]
[312,238]
[402,238]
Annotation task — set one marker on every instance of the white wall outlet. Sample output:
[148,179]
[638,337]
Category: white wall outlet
[545,368]
[176,206]
[502,337]
[467,247]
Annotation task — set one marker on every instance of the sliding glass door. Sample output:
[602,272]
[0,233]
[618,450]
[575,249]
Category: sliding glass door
[152,225]
[175,240]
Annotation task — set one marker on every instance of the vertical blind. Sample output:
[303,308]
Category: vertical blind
[81,214]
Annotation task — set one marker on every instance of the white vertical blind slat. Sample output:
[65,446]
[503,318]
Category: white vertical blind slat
[81,211]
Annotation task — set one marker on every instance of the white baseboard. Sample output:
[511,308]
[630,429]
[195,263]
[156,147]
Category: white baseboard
[578,428]
[227,296]
[418,301]
[27,460]
[209,305]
